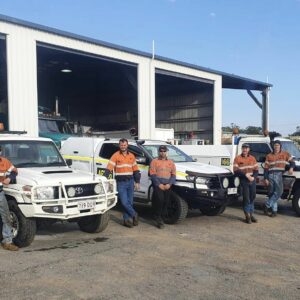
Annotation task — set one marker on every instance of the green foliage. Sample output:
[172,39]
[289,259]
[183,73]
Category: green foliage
[248,130]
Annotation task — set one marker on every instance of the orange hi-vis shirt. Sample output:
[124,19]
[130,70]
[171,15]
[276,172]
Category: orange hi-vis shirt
[245,164]
[6,167]
[277,162]
[124,165]
[162,171]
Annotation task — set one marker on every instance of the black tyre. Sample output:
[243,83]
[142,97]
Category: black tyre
[296,202]
[213,210]
[177,209]
[94,224]
[24,229]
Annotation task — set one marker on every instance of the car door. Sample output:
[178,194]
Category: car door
[107,149]
[260,151]
[143,164]
[104,153]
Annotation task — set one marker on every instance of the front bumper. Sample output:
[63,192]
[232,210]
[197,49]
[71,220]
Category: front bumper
[212,194]
[64,207]
[199,197]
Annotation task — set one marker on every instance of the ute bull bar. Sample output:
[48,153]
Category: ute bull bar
[62,206]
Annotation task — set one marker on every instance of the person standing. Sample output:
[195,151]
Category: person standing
[163,175]
[128,177]
[8,175]
[246,167]
[275,165]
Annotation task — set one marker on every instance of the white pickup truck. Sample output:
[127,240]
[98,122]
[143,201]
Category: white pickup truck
[47,189]
[260,146]
[198,185]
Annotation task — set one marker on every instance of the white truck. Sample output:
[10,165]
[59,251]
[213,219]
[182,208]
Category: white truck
[198,185]
[46,189]
[260,146]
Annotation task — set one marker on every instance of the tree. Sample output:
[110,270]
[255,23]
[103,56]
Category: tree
[253,130]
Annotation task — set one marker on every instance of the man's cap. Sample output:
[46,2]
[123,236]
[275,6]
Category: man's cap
[245,145]
[277,142]
[162,148]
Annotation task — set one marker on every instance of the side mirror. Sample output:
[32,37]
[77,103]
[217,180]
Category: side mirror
[69,162]
[195,159]
[141,160]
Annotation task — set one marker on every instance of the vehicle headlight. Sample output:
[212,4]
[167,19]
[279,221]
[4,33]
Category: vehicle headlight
[225,183]
[71,192]
[109,187]
[236,181]
[202,180]
[190,178]
[46,192]
[98,189]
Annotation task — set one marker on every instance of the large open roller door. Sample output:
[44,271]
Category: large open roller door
[184,103]
[96,91]
[3,83]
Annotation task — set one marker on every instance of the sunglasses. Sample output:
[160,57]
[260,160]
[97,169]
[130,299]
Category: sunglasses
[162,151]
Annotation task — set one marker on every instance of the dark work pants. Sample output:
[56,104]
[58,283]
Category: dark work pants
[249,194]
[160,202]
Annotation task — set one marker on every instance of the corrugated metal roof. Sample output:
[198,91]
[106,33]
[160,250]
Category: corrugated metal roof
[229,81]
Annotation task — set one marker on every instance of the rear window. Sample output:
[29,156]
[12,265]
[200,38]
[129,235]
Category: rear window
[107,150]
[259,151]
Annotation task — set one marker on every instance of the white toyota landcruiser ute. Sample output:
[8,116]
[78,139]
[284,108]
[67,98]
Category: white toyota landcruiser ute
[47,189]
[198,185]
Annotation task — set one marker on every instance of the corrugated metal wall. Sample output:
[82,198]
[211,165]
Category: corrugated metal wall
[22,82]
[186,114]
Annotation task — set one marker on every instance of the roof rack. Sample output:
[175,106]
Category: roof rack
[13,132]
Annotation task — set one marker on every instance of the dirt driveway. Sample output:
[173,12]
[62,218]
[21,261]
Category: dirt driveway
[201,258]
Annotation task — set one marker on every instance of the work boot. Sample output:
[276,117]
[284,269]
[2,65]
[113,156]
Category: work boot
[253,219]
[267,210]
[248,218]
[273,214]
[10,246]
[160,224]
[136,220]
[128,223]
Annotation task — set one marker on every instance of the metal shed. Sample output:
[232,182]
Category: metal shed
[156,91]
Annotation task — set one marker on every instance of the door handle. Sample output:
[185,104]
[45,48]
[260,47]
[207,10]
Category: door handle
[98,164]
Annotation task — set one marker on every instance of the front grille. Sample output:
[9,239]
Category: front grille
[82,190]
[216,182]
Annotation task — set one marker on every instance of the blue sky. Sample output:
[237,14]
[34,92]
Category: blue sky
[259,39]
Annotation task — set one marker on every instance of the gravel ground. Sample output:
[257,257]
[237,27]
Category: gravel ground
[202,258]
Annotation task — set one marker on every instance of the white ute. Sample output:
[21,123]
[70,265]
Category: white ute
[47,189]
[260,146]
[198,185]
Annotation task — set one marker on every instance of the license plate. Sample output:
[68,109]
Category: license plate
[232,191]
[86,204]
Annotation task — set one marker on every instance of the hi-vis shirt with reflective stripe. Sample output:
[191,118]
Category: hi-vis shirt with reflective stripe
[162,171]
[123,165]
[245,164]
[278,162]
[6,168]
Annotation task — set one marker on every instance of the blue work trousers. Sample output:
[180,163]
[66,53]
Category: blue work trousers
[6,220]
[125,189]
[249,194]
[275,190]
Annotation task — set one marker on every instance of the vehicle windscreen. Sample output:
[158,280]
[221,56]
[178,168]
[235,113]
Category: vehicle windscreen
[54,126]
[174,153]
[291,148]
[28,154]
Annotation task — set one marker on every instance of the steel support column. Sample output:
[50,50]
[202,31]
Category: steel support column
[265,109]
